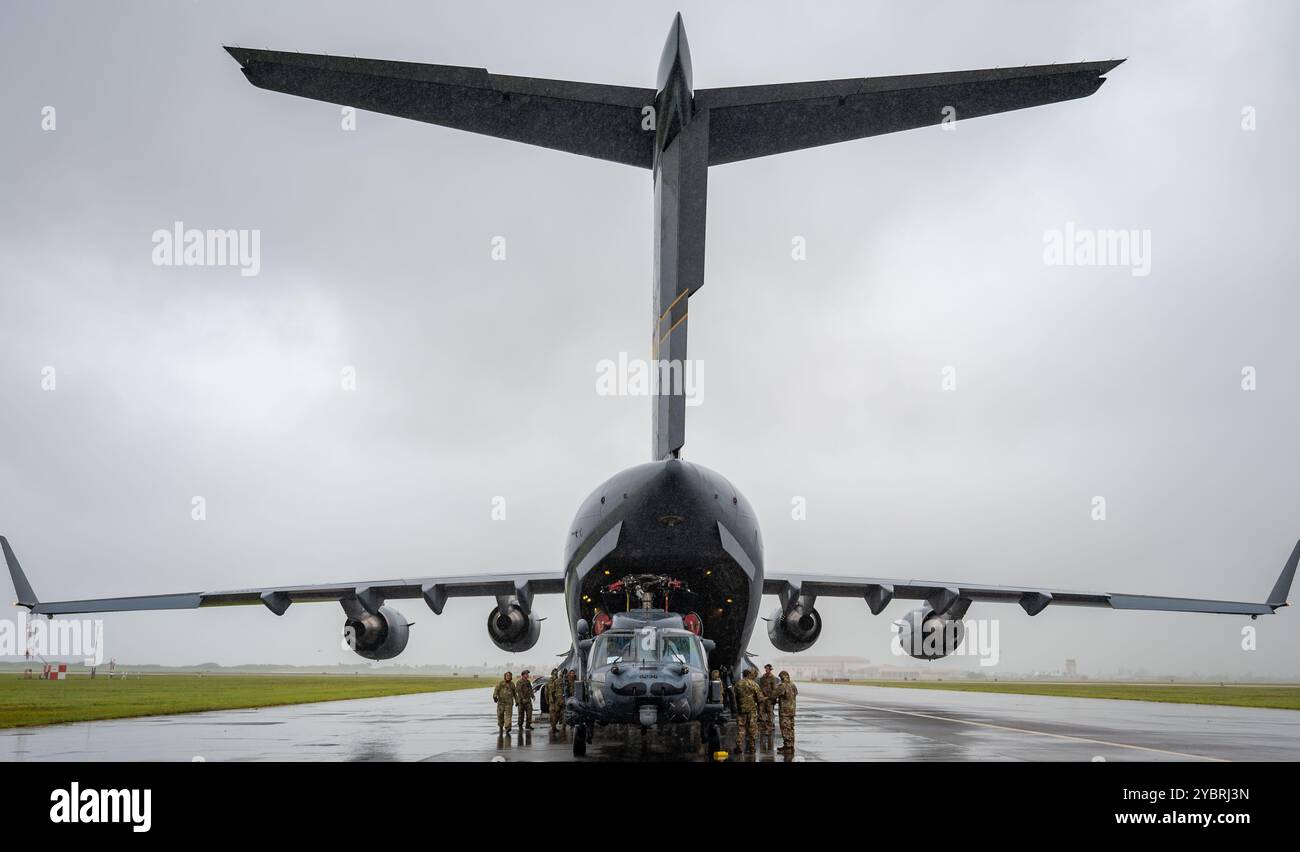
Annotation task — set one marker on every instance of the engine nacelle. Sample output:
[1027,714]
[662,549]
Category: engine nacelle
[796,630]
[927,636]
[511,629]
[377,637]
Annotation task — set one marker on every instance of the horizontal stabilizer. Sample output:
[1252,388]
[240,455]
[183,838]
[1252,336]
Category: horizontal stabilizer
[591,119]
[755,121]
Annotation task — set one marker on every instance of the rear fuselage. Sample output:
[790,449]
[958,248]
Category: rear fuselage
[680,520]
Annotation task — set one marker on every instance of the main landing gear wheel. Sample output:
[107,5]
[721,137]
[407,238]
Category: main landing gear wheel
[580,741]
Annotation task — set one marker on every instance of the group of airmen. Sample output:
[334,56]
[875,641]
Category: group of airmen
[510,692]
[755,699]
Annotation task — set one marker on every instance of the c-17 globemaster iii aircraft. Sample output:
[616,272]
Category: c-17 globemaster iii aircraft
[663,572]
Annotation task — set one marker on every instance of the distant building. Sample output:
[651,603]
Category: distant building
[908,673]
[1071,668]
[805,667]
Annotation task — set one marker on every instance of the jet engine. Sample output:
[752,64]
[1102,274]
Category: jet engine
[927,636]
[377,637]
[795,630]
[511,629]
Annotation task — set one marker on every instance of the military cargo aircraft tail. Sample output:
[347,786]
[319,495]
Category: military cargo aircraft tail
[674,130]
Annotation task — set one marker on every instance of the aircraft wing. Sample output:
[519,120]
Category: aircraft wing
[755,121]
[591,119]
[942,596]
[371,594]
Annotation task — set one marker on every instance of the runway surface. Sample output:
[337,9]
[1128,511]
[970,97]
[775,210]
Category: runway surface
[836,722]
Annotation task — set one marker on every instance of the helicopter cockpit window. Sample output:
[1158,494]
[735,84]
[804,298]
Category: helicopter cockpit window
[681,649]
[613,648]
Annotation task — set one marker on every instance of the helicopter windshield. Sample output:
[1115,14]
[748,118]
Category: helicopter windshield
[613,648]
[681,649]
[647,645]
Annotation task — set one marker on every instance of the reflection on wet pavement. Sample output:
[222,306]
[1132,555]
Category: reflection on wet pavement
[836,722]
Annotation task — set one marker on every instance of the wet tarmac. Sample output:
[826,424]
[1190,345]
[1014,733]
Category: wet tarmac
[836,722]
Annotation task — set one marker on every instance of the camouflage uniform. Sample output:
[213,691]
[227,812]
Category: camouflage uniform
[504,696]
[748,697]
[555,699]
[785,696]
[767,684]
[524,695]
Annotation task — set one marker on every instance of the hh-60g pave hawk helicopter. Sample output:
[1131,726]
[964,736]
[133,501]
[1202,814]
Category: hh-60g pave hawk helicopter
[668,525]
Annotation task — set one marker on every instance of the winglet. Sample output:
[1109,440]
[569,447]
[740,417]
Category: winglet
[1276,598]
[27,598]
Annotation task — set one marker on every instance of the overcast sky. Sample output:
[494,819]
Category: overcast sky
[476,378]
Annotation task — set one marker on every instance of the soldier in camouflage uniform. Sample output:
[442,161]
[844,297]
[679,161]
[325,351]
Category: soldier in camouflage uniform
[524,695]
[570,685]
[504,696]
[767,684]
[555,699]
[748,697]
[785,697]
